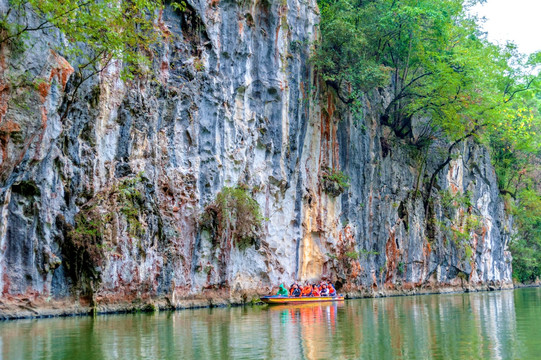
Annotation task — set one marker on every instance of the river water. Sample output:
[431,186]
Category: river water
[495,325]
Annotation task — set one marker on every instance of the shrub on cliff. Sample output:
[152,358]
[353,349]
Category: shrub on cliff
[233,215]
[517,161]
[334,181]
[85,244]
[525,245]
[83,248]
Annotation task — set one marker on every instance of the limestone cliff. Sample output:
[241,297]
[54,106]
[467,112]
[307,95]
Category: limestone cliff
[231,99]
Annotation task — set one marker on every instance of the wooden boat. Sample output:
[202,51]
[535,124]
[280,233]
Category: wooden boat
[277,299]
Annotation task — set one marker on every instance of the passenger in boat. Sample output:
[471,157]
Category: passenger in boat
[324,290]
[332,290]
[294,291]
[282,291]
[306,290]
[315,290]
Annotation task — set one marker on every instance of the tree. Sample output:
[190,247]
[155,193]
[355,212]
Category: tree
[517,160]
[447,83]
[439,65]
[97,30]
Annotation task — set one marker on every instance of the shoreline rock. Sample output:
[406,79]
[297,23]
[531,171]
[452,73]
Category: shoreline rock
[18,308]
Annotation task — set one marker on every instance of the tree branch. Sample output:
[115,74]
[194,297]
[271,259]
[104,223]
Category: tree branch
[447,161]
[527,87]
[42,26]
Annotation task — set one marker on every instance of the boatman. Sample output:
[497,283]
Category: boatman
[282,291]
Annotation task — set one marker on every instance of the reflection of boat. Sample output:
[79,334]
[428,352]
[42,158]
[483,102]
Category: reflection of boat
[276,299]
[306,306]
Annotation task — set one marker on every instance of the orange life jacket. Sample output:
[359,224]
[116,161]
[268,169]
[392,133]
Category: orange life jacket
[315,292]
[306,291]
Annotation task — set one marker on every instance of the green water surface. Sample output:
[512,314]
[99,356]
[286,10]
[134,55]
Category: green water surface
[496,325]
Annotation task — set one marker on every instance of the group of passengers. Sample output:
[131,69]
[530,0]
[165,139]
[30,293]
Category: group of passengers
[325,288]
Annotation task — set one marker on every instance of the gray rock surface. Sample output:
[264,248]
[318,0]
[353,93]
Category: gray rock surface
[231,99]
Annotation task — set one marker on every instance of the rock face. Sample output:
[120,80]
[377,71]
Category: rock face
[103,195]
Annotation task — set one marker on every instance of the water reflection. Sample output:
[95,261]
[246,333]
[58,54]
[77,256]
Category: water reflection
[498,325]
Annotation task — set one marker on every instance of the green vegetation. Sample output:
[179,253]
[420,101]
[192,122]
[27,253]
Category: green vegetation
[455,201]
[459,225]
[131,201]
[94,34]
[98,31]
[434,56]
[519,180]
[401,267]
[446,80]
[334,181]
[233,215]
[517,160]
[526,245]
[198,65]
[85,245]
[83,248]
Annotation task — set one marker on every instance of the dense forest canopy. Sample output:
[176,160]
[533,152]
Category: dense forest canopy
[445,76]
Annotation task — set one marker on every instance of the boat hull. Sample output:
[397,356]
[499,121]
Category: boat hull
[299,300]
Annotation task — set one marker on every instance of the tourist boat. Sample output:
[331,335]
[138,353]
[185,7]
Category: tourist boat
[277,299]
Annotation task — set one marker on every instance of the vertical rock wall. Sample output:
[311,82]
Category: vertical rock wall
[231,99]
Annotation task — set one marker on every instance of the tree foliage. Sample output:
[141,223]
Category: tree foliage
[96,31]
[438,62]
[517,159]
[446,82]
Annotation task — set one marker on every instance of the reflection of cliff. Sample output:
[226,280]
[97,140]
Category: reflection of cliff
[499,325]
[432,326]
